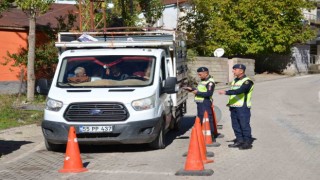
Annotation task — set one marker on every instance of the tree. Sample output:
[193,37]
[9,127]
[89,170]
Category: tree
[4,5]
[152,10]
[124,13]
[66,22]
[33,8]
[247,27]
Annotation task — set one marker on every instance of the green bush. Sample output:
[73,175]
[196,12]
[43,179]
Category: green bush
[13,111]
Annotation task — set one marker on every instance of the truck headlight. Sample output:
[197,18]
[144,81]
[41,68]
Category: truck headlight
[53,105]
[144,104]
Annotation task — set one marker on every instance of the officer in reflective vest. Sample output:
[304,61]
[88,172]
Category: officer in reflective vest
[239,105]
[203,94]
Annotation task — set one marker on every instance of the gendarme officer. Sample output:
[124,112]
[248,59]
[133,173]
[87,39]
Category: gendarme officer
[240,104]
[203,94]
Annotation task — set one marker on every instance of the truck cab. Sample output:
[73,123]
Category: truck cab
[116,90]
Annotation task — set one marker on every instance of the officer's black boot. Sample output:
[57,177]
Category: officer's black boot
[236,144]
[245,145]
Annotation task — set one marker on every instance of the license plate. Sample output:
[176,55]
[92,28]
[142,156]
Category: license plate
[95,129]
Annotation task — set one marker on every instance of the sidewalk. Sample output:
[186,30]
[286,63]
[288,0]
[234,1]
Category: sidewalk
[269,77]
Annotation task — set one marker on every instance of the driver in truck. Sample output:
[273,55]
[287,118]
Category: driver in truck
[115,73]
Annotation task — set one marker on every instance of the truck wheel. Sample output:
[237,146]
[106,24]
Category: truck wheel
[37,90]
[159,142]
[52,147]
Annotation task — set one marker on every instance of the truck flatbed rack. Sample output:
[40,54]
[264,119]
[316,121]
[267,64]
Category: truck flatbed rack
[115,39]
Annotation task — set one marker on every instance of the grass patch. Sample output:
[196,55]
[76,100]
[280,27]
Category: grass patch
[13,111]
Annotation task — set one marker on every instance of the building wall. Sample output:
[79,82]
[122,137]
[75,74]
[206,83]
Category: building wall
[66,1]
[300,60]
[169,17]
[10,41]
[310,15]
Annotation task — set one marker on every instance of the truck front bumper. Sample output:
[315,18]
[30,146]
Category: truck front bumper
[130,133]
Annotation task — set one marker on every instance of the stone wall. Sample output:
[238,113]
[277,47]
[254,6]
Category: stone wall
[297,62]
[220,68]
[12,87]
[249,63]
[300,60]
[314,69]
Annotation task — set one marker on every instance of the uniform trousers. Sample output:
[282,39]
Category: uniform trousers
[201,108]
[240,119]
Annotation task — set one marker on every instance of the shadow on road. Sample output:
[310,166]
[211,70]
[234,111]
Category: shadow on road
[7,147]
[186,123]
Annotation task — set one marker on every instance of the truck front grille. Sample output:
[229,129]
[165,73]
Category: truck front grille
[97,112]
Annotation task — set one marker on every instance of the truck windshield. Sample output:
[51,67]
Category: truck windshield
[106,71]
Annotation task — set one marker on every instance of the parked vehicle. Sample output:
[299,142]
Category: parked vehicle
[105,109]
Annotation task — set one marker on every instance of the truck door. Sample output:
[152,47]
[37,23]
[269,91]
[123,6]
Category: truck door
[165,98]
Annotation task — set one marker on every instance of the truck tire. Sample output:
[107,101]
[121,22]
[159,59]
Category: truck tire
[159,142]
[37,89]
[53,147]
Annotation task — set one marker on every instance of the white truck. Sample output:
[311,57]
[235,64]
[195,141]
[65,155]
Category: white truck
[139,108]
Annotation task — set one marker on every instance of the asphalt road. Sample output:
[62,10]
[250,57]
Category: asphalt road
[285,123]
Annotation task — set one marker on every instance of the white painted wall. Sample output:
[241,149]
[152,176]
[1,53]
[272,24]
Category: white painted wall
[169,18]
[300,60]
[310,15]
[171,15]
[66,1]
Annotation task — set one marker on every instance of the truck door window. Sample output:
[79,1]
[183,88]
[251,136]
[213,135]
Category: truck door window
[163,73]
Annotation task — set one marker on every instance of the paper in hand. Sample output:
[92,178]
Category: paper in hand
[187,88]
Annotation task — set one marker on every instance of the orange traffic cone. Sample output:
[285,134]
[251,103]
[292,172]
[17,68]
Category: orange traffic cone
[194,165]
[72,161]
[215,124]
[203,149]
[194,161]
[206,129]
[208,154]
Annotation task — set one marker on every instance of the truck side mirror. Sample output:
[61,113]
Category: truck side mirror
[170,85]
[43,86]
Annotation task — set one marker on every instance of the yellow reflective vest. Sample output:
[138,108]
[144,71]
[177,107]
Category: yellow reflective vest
[238,100]
[202,87]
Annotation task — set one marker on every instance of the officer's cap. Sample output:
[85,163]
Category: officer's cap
[239,66]
[202,69]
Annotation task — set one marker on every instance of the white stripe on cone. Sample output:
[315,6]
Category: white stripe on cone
[205,119]
[206,132]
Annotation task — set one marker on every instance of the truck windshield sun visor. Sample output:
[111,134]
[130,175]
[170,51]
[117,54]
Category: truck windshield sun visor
[106,71]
